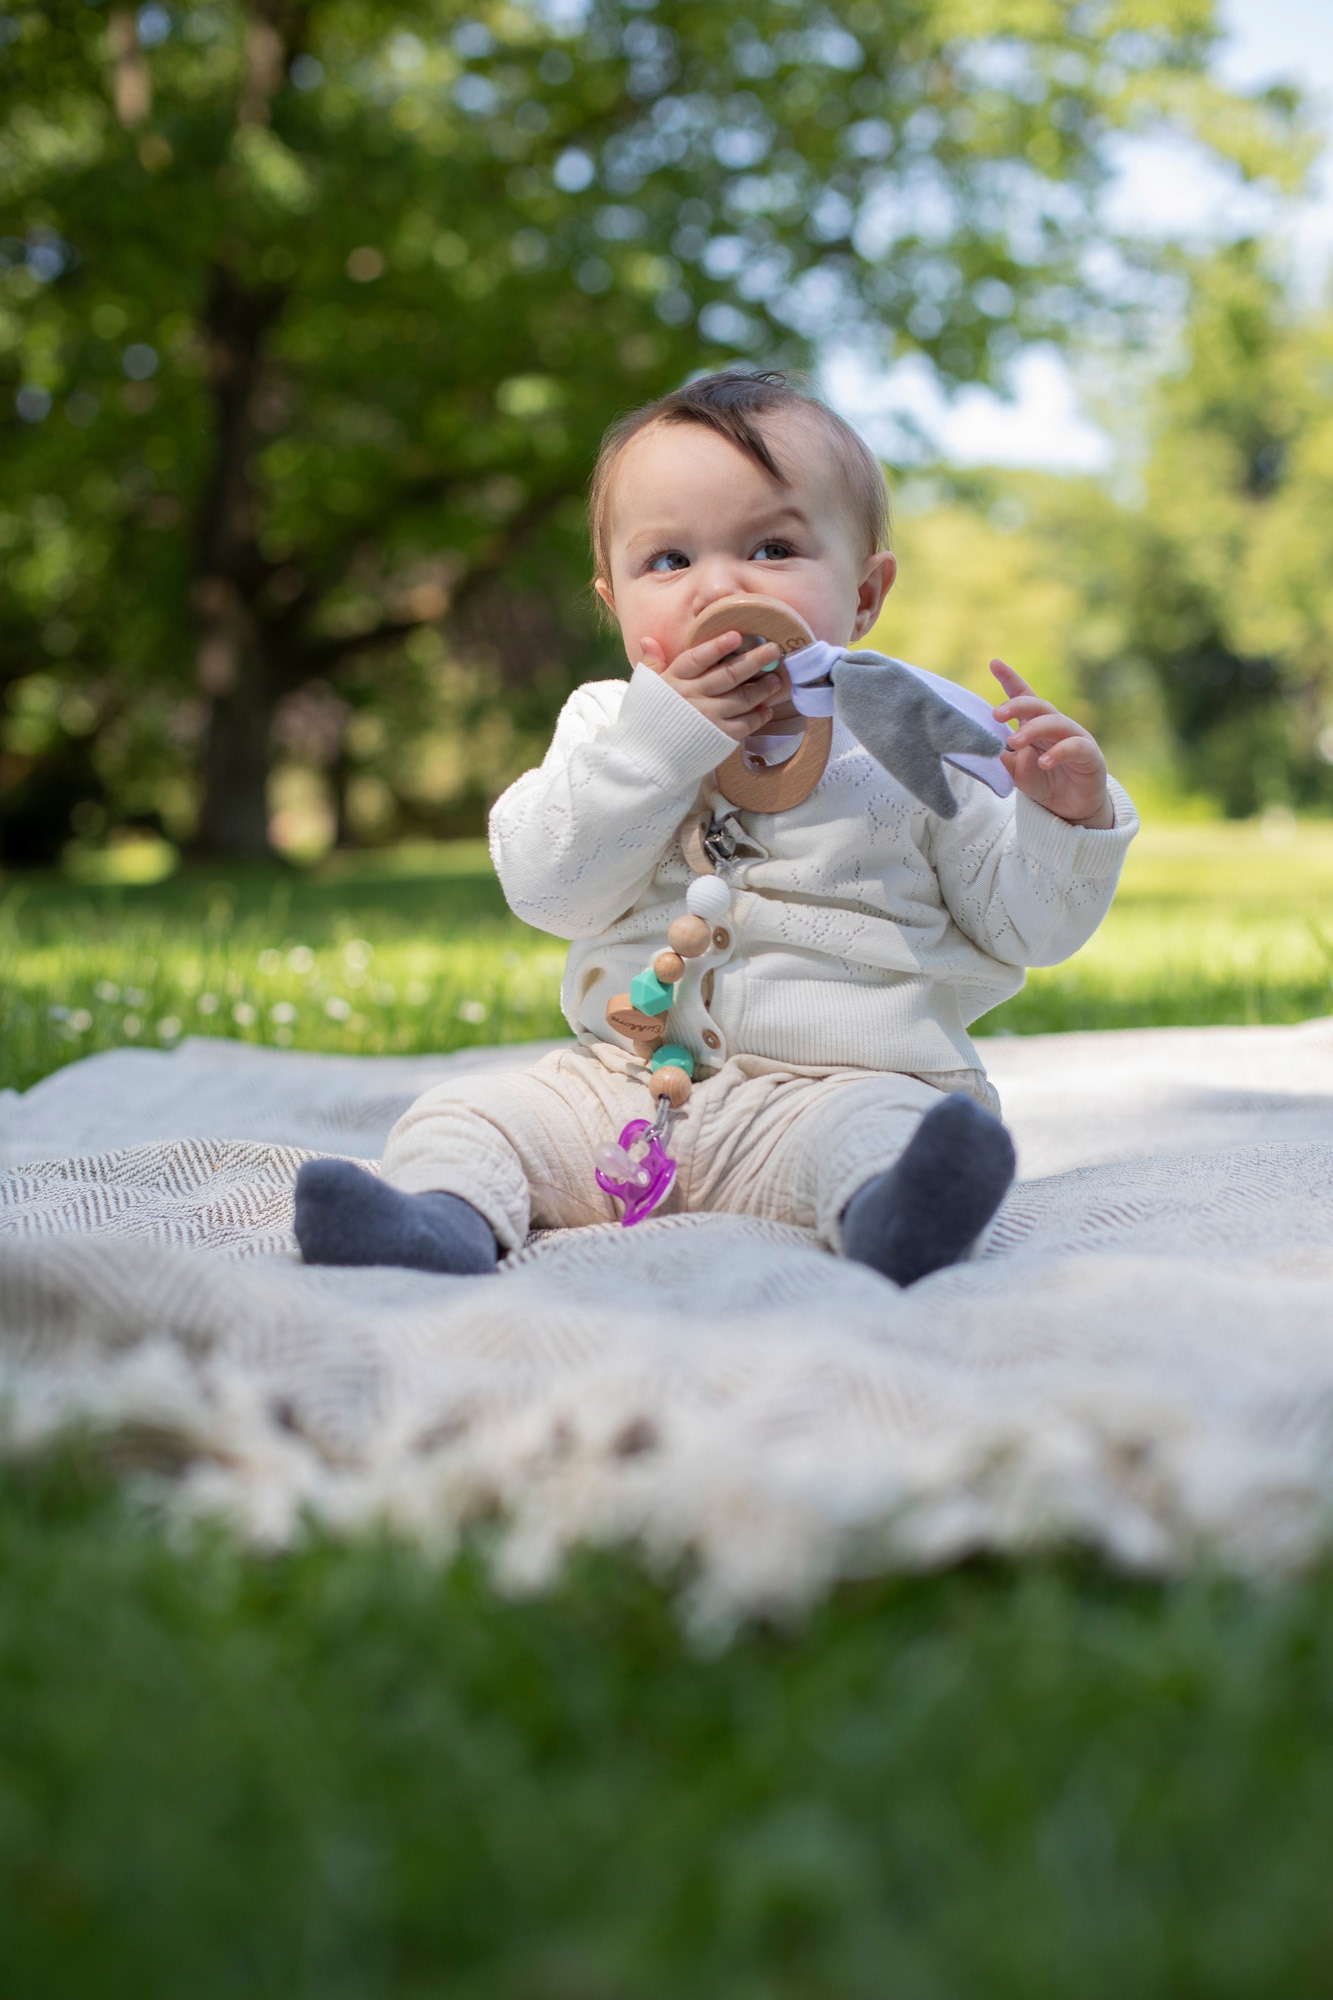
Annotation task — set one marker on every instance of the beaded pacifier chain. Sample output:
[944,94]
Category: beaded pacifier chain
[637,1169]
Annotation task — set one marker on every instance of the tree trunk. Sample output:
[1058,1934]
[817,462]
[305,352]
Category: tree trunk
[231,666]
[234,820]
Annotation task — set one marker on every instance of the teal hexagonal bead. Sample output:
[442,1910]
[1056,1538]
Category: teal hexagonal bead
[672,1055]
[648,994]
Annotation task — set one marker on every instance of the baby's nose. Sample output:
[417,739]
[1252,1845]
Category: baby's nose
[714,577]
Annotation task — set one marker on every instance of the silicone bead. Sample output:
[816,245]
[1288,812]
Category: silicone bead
[668,965]
[673,1055]
[671,1083]
[690,936]
[708,897]
[648,994]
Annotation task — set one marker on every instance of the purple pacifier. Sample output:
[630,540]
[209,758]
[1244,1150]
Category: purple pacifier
[638,1170]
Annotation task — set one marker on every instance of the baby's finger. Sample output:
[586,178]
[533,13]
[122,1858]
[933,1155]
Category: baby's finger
[1022,706]
[720,654]
[750,695]
[737,668]
[738,727]
[1075,749]
[1049,726]
[703,658]
[1011,682]
[653,654]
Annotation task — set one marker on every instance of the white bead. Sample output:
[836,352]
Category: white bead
[708,897]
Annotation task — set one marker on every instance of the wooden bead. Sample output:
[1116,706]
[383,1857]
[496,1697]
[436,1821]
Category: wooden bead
[668,965]
[671,1083]
[690,937]
[691,836]
[625,1018]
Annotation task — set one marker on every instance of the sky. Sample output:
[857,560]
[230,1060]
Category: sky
[1045,424]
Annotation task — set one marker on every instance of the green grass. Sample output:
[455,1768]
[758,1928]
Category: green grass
[343,1774]
[382,956]
[415,950]
[337,1775]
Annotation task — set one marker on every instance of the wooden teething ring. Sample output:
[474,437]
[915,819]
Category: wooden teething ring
[772,787]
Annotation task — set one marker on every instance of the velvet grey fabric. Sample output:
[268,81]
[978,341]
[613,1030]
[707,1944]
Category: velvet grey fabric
[907,727]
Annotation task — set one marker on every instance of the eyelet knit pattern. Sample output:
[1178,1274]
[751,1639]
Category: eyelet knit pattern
[867,931]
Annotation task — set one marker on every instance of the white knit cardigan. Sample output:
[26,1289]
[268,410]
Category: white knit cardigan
[867,932]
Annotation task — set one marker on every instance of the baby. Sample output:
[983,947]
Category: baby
[825,1018]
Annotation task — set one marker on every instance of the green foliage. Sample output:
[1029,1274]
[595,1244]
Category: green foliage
[1192,609]
[341,1773]
[1226,560]
[313,313]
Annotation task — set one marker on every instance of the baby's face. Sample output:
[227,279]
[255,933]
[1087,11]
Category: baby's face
[693,519]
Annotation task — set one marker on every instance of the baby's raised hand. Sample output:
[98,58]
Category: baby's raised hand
[1050,757]
[739,693]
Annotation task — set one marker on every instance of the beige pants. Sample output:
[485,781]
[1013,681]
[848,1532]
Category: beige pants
[758,1138]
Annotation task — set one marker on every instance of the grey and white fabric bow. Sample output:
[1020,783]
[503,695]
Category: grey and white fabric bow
[909,720]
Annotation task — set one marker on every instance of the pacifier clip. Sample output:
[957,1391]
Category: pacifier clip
[637,1169]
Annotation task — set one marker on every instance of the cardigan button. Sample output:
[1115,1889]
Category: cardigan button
[721,938]
[711,1039]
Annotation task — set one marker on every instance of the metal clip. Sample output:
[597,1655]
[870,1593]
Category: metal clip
[727,842]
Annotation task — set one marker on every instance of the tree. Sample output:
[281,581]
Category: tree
[314,309]
[1227,559]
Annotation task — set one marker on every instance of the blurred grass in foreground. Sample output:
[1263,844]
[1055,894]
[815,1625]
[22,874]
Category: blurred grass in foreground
[340,1774]
[414,950]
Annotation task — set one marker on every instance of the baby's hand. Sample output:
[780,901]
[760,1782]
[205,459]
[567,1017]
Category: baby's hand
[1050,757]
[737,694]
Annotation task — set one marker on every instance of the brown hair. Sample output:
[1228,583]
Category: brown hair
[730,404]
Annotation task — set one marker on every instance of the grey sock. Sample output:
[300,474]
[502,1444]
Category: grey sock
[346,1216]
[929,1209]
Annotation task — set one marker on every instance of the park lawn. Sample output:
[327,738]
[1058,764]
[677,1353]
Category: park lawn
[342,1773]
[414,950]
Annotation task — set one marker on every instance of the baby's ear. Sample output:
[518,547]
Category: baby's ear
[877,579]
[603,590]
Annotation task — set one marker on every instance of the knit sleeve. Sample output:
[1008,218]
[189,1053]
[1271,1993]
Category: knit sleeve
[576,841]
[1024,885]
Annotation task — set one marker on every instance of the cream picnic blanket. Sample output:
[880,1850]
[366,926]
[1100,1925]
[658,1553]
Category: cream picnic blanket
[1141,1359]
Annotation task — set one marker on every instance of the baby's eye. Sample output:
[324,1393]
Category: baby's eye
[771,552]
[669,559]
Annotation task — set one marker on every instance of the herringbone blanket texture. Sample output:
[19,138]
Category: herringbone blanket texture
[1141,1359]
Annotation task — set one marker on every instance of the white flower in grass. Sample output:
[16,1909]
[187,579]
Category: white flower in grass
[474,1012]
[358,954]
[208,1003]
[107,990]
[57,1013]
[301,959]
[243,1014]
[284,1013]
[270,962]
[135,997]
[80,1021]
[130,1026]
[337,1009]
[169,1028]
